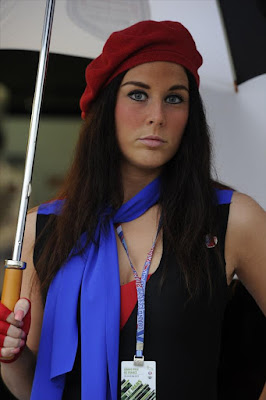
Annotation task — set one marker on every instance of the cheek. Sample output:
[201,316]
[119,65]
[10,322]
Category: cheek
[125,117]
[178,124]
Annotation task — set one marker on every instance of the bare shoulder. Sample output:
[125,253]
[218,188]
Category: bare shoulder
[247,221]
[30,283]
[245,208]
[246,245]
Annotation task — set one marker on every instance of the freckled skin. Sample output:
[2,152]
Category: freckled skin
[153,99]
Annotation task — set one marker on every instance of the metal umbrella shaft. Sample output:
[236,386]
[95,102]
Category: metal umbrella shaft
[14,267]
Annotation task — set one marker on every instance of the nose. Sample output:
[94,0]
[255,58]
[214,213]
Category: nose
[156,114]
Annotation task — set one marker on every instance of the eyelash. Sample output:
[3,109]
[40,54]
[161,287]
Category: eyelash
[180,98]
[139,92]
[136,92]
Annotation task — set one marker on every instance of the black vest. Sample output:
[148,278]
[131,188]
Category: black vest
[183,336]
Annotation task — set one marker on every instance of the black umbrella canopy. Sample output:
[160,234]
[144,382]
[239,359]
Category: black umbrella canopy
[245,26]
[65,81]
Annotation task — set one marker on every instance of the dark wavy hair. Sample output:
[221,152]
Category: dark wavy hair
[94,182]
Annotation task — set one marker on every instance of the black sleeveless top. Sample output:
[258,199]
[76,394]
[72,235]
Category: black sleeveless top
[183,336]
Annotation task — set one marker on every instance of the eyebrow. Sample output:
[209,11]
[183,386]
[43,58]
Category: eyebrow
[145,86]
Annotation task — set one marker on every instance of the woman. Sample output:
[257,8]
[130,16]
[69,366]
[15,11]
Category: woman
[141,174]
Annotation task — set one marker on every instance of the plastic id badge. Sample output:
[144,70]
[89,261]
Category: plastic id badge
[138,382]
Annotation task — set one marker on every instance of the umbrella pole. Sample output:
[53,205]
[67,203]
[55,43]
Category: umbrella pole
[14,267]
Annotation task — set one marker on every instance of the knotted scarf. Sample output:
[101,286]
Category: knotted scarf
[94,276]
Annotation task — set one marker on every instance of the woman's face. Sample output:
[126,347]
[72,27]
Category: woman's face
[151,114]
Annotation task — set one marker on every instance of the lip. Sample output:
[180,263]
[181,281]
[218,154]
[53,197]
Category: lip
[152,141]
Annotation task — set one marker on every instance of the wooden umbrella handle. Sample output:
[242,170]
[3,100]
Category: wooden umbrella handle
[12,283]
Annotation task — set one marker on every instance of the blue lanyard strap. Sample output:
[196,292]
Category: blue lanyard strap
[140,287]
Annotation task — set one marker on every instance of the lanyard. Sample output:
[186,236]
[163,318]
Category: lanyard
[140,287]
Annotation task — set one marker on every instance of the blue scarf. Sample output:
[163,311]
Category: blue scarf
[95,277]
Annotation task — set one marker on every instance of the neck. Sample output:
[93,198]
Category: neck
[134,181]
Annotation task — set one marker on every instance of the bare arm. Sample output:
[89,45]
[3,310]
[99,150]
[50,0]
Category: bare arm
[245,247]
[263,393]
[18,376]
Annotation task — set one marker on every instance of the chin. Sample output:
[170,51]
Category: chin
[146,162]
[154,164]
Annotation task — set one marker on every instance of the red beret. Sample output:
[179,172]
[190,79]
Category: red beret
[143,42]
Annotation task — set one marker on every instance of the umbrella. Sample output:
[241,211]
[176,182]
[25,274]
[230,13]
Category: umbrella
[247,43]
[90,22]
[14,267]
[81,27]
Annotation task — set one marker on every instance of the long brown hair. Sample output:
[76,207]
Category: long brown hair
[94,182]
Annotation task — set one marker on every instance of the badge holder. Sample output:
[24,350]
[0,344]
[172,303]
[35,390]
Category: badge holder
[138,379]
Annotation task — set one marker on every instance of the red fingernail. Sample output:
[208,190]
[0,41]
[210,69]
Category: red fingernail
[23,335]
[22,342]
[19,315]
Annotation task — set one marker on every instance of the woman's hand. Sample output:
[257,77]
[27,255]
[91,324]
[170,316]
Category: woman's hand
[14,328]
